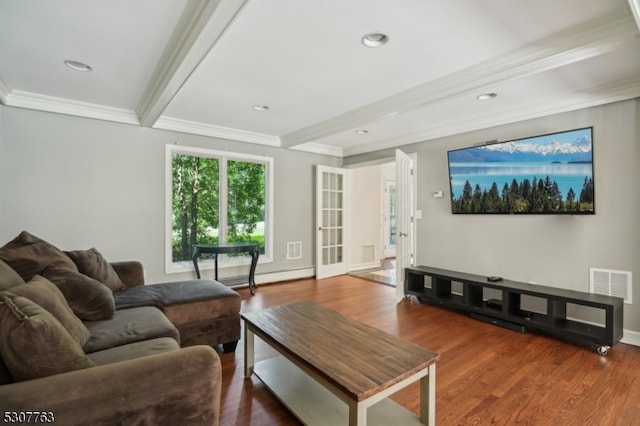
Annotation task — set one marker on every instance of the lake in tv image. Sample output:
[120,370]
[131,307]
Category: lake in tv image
[542,174]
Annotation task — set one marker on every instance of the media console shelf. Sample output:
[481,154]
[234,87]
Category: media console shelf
[505,303]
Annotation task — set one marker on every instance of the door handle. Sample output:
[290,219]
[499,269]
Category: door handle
[402,234]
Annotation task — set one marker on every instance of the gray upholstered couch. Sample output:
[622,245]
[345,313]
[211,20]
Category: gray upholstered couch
[82,341]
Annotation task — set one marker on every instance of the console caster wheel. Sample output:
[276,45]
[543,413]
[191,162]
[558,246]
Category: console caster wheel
[602,350]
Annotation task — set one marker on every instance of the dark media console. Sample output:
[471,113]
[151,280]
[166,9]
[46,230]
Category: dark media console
[437,286]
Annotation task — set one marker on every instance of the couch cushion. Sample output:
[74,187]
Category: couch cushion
[128,326]
[44,293]
[5,376]
[93,264]
[29,255]
[131,272]
[134,350]
[33,343]
[89,299]
[203,299]
[8,277]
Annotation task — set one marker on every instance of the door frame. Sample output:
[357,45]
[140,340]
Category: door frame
[414,179]
[338,268]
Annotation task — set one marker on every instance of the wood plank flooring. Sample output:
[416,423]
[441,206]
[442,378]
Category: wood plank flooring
[486,375]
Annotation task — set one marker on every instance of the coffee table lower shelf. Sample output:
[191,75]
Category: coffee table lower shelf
[313,404]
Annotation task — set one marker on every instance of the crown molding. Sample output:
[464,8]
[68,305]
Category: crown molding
[202,129]
[601,95]
[317,148]
[576,44]
[19,98]
[192,127]
[199,28]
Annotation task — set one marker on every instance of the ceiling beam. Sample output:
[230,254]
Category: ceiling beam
[200,26]
[600,95]
[576,44]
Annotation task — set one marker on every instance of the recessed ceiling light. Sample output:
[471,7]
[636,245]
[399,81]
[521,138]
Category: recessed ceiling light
[374,39]
[486,96]
[362,132]
[260,107]
[78,66]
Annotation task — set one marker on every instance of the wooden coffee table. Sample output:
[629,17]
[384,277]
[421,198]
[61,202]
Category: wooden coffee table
[334,369]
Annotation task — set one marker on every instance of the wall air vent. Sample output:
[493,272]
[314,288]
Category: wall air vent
[368,253]
[294,250]
[611,283]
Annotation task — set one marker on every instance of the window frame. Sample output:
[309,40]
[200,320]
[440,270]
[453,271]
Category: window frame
[223,157]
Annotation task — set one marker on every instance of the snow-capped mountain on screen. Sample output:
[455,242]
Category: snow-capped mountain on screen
[567,147]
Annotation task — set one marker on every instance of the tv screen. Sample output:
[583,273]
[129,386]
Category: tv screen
[546,174]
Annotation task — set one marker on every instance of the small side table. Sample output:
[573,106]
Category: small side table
[253,248]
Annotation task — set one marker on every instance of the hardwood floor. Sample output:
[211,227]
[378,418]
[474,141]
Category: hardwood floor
[486,375]
[385,274]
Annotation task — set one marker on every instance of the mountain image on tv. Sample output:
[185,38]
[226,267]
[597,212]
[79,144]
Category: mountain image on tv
[542,174]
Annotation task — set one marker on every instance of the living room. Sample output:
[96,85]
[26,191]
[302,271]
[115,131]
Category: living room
[107,195]
[81,181]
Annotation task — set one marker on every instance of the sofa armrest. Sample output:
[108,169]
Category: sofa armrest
[131,272]
[176,387]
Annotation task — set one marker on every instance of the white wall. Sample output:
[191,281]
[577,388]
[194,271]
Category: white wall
[80,183]
[546,249]
[366,207]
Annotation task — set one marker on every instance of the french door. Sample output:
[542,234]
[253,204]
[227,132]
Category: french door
[330,222]
[404,219]
[389,220]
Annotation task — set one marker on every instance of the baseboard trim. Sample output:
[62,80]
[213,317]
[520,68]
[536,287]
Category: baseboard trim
[363,266]
[631,337]
[296,274]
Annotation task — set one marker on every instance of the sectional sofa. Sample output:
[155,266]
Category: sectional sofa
[84,341]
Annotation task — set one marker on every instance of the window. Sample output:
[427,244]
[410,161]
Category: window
[215,197]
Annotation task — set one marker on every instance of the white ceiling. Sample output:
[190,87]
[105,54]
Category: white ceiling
[200,66]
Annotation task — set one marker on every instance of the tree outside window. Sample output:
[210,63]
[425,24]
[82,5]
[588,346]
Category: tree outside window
[194,203]
[245,201]
[216,198]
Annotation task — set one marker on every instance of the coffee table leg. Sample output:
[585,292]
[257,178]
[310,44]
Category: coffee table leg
[248,351]
[428,397]
[357,414]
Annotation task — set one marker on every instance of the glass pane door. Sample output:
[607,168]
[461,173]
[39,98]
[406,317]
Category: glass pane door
[331,249]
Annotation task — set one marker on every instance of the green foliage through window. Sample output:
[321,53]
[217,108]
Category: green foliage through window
[245,199]
[199,215]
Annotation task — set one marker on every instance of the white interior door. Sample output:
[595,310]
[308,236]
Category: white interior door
[389,220]
[330,220]
[404,219]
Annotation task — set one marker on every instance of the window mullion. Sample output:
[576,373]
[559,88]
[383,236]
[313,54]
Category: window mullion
[223,201]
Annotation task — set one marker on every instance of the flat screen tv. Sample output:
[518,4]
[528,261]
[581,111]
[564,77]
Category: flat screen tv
[545,174]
